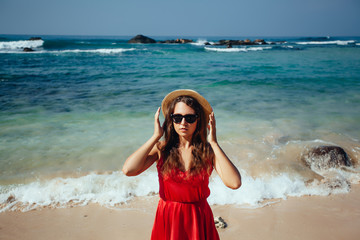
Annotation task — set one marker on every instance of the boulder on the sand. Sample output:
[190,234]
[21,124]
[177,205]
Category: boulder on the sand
[219,222]
[141,39]
[325,157]
[27,49]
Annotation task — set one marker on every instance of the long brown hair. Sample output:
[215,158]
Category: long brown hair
[202,151]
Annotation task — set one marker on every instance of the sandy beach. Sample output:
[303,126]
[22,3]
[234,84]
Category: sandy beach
[312,217]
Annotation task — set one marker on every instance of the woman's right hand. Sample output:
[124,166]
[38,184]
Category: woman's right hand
[147,154]
[158,130]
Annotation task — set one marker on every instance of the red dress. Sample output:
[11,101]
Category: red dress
[183,212]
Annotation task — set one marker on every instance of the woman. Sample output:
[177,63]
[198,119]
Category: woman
[185,160]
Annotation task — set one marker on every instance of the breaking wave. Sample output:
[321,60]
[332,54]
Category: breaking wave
[107,190]
[245,49]
[337,42]
[95,51]
[201,42]
[114,189]
[102,51]
[16,45]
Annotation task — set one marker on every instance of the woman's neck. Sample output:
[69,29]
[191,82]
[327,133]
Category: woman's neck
[184,143]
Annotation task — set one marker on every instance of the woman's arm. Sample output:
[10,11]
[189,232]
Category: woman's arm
[147,154]
[228,173]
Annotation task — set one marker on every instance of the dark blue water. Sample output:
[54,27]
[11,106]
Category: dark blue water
[81,104]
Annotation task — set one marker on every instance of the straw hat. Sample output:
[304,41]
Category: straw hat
[168,99]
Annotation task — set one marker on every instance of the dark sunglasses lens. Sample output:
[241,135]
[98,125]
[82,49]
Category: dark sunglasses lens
[188,118]
[177,118]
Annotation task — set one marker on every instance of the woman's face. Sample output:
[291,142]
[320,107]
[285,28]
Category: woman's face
[184,129]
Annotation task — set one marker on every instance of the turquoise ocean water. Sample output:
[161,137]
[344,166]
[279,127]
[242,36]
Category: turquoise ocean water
[76,107]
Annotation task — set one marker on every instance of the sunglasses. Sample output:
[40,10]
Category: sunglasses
[189,118]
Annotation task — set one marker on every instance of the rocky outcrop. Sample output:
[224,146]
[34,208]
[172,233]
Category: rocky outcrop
[35,38]
[141,39]
[241,42]
[325,157]
[181,40]
[259,41]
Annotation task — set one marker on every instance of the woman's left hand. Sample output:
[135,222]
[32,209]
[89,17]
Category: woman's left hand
[227,171]
[212,129]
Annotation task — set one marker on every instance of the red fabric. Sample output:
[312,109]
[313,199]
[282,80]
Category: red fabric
[183,212]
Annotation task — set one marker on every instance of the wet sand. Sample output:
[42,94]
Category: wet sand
[313,217]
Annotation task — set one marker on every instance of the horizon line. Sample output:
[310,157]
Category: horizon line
[109,35]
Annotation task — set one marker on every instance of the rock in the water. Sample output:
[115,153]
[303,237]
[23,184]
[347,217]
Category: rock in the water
[219,222]
[141,39]
[35,38]
[260,41]
[179,40]
[27,49]
[247,42]
[325,157]
[241,42]
[11,199]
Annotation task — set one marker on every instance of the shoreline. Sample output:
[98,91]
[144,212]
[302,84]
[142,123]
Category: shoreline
[310,217]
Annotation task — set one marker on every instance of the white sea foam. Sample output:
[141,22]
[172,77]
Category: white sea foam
[243,49]
[96,51]
[102,51]
[201,42]
[16,45]
[338,42]
[114,189]
[107,190]
[255,191]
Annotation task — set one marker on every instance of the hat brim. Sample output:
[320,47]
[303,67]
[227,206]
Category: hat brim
[168,99]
